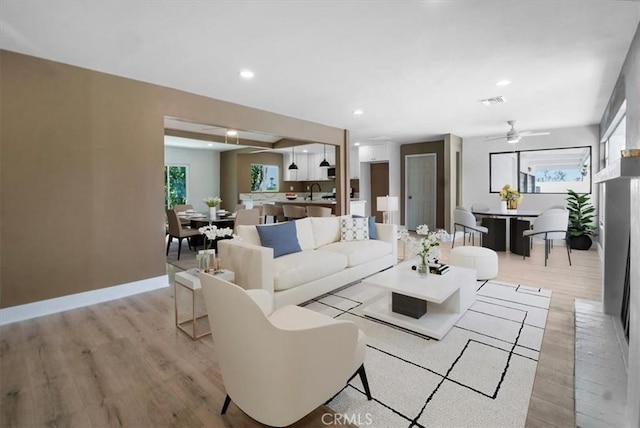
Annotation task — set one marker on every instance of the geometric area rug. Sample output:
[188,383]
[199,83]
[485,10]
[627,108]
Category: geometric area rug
[479,375]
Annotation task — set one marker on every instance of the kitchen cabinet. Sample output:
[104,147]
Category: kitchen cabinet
[374,153]
[354,164]
[301,173]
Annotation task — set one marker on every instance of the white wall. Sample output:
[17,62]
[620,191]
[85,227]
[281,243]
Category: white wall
[203,178]
[475,165]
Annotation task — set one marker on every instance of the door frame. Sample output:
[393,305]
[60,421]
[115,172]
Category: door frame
[406,186]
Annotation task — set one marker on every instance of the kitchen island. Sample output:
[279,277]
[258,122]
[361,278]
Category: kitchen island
[251,200]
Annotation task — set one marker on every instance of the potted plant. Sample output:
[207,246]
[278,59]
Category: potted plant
[581,226]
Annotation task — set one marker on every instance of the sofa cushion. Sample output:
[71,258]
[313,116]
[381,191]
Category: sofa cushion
[359,252]
[282,237]
[304,231]
[373,232]
[248,234]
[326,229]
[354,229]
[306,266]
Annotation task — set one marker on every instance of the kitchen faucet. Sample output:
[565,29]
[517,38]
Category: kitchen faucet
[311,189]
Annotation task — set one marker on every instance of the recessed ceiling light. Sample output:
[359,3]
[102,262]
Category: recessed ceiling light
[356,144]
[358,111]
[305,151]
[210,145]
[232,133]
[503,82]
[246,74]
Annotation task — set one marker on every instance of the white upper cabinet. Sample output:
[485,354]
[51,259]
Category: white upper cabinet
[375,153]
[354,163]
[296,174]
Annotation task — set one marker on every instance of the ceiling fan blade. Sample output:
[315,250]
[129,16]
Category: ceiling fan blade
[533,134]
[501,137]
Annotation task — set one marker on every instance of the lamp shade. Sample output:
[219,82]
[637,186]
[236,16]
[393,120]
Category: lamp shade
[387,203]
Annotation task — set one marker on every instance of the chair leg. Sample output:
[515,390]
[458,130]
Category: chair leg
[227,401]
[179,246]
[365,382]
[568,250]
[169,243]
[546,251]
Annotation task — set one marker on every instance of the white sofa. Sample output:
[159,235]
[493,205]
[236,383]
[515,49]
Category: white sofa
[324,264]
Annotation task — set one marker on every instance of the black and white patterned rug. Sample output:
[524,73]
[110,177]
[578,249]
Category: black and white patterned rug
[479,375]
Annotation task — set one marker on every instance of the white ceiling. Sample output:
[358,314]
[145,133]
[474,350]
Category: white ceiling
[416,68]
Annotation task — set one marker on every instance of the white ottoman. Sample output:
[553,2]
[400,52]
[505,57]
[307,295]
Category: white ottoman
[483,260]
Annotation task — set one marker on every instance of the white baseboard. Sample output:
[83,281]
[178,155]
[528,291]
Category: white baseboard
[73,301]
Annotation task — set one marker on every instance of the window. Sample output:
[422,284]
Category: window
[264,178]
[175,185]
[542,171]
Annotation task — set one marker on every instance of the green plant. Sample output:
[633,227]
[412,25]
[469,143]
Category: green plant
[580,214]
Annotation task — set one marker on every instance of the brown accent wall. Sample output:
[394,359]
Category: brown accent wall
[81,193]
[436,147]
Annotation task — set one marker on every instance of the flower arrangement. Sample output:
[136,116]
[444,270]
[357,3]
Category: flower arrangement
[426,246]
[211,233]
[507,193]
[212,202]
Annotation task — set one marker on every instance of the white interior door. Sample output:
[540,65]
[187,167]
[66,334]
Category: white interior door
[420,188]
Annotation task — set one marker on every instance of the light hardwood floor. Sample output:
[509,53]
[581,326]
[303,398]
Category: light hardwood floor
[123,363]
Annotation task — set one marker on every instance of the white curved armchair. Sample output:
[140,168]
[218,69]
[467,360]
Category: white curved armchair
[551,224]
[467,221]
[279,366]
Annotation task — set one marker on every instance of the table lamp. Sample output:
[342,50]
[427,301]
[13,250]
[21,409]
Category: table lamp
[387,204]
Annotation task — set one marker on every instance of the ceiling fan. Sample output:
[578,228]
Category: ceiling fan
[513,136]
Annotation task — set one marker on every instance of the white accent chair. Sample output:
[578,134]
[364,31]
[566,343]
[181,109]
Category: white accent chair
[279,366]
[550,225]
[464,219]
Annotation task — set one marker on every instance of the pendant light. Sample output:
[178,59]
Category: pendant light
[324,163]
[293,163]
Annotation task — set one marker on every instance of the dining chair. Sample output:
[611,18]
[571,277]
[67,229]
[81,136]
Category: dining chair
[293,212]
[177,231]
[313,211]
[278,366]
[479,208]
[550,225]
[464,219]
[274,211]
[185,222]
[239,207]
[246,217]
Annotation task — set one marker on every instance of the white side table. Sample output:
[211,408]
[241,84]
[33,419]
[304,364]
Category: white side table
[190,281]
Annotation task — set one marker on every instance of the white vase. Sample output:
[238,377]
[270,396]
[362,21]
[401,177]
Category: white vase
[503,207]
[213,212]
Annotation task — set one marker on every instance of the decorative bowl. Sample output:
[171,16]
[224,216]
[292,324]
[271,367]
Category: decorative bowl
[292,198]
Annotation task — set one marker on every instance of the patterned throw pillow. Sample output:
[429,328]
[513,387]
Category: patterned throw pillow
[354,229]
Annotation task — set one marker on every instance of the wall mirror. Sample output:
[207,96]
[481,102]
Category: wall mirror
[542,171]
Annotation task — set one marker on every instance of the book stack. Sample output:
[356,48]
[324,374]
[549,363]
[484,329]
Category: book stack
[438,268]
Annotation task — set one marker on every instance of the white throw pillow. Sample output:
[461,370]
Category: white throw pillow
[354,229]
[304,231]
[326,229]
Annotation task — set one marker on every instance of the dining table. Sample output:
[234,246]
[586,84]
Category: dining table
[495,220]
[196,220]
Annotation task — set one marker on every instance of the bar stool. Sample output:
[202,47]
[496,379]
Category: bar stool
[313,211]
[274,211]
[292,212]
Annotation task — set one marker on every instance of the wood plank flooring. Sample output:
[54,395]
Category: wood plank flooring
[123,363]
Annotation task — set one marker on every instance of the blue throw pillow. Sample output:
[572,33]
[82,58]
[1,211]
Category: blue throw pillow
[282,237]
[373,233]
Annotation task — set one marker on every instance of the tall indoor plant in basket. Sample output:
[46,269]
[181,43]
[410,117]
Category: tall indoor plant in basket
[581,227]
